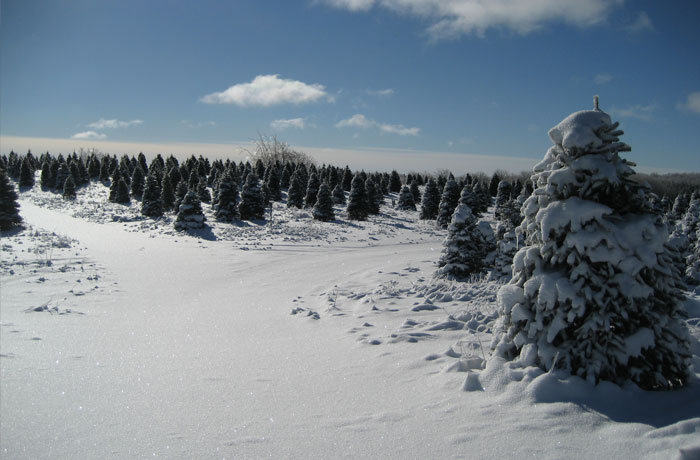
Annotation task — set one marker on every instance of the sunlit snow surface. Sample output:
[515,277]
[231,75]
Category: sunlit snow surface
[122,338]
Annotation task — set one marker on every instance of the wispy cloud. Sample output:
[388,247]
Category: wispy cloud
[360,121]
[692,103]
[269,90]
[197,124]
[641,23]
[454,18]
[602,78]
[112,124]
[380,92]
[298,123]
[89,135]
[640,112]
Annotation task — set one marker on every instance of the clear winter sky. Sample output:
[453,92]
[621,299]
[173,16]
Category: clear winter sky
[408,84]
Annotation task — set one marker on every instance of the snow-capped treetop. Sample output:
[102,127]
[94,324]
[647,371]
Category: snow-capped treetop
[580,129]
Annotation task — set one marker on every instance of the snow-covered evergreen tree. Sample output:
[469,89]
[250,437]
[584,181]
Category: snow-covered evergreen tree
[312,190]
[137,182]
[252,205]
[61,176]
[26,173]
[448,203]
[463,249]
[152,201]
[395,182]
[122,192]
[502,197]
[295,194]
[180,192]
[190,215]
[338,194]
[415,191]
[227,198]
[203,190]
[430,202]
[167,194]
[9,207]
[69,188]
[323,208]
[47,179]
[357,200]
[595,291]
[374,197]
[406,200]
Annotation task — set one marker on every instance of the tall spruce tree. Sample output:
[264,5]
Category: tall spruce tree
[26,173]
[415,191]
[406,200]
[594,292]
[227,198]
[312,190]
[395,182]
[9,207]
[295,194]
[137,182]
[374,197]
[167,194]
[338,194]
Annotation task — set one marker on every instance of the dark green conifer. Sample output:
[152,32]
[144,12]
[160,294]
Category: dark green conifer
[357,201]
[152,202]
[9,207]
[323,208]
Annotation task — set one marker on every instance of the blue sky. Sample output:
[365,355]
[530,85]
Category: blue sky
[355,77]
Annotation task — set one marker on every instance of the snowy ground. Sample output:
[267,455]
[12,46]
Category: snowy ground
[121,338]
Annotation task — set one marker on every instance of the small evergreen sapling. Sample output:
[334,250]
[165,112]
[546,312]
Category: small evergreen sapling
[312,190]
[448,203]
[323,208]
[26,174]
[9,207]
[415,191]
[227,198]
[431,201]
[463,247]
[69,189]
[252,205]
[152,202]
[357,201]
[190,215]
[338,194]
[406,200]
[295,194]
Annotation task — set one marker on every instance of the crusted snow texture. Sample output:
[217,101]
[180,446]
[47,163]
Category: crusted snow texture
[464,246]
[595,290]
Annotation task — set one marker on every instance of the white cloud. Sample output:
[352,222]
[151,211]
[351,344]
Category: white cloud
[89,135]
[380,92]
[111,124]
[602,78]
[298,123]
[640,112]
[692,103]
[641,23]
[198,124]
[360,121]
[454,18]
[269,90]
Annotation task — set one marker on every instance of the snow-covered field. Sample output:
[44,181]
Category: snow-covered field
[295,339]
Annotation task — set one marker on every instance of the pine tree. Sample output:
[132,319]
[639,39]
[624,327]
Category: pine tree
[137,182]
[114,186]
[448,203]
[167,194]
[69,189]
[180,192]
[273,184]
[9,207]
[252,205]
[463,248]
[395,182]
[338,194]
[190,215]
[286,176]
[61,175]
[493,184]
[323,208]
[406,201]
[152,202]
[430,202]
[312,190]
[26,174]
[347,179]
[357,201]
[227,198]
[122,193]
[203,191]
[295,194]
[374,197]
[415,191]
[502,196]
[47,179]
[595,291]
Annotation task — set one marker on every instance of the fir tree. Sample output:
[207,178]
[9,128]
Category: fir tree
[26,174]
[152,202]
[273,184]
[312,190]
[286,176]
[180,192]
[203,191]
[190,215]
[137,182]
[69,189]
[374,197]
[347,179]
[9,207]
[61,175]
[357,201]
[502,196]
[338,194]
[114,186]
[167,194]
[463,247]
[122,192]
[415,191]
[227,198]
[493,184]
[406,201]
[395,182]
[595,291]
[448,203]
[252,205]
[430,202]
[47,179]
[323,208]
[295,194]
